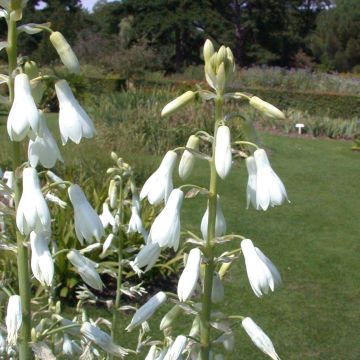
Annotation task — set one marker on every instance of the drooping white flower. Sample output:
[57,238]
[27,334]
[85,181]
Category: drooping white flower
[165,230]
[251,185]
[23,113]
[106,216]
[151,355]
[270,190]
[190,275]
[135,223]
[2,344]
[43,149]
[86,269]
[13,319]
[159,185]
[147,256]
[176,349]
[87,222]
[259,338]
[32,213]
[261,272]
[102,339]
[217,294]
[56,179]
[106,245]
[42,264]
[55,199]
[70,347]
[223,157]
[220,222]
[74,123]
[147,310]
[10,179]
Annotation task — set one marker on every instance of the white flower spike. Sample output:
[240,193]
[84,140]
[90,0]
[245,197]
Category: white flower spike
[86,269]
[147,256]
[43,149]
[176,349]
[147,310]
[42,264]
[159,185]
[13,319]
[220,222]
[165,230]
[261,272]
[87,222]
[259,338]
[23,114]
[74,123]
[102,339]
[270,190]
[32,213]
[223,157]
[190,275]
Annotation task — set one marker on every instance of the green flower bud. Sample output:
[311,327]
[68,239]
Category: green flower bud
[169,317]
[178,103]
[195,328]
[65,52]
[221,56]
[266,108]
[37,87]
[187,161]
[208,50]
[31,69]
[221,78]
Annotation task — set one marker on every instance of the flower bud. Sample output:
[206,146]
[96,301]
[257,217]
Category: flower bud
[266,108]
[178,103]
[113,193]
[223,157]
[13,319]
[31,69]
[169,317]
[195,327]
[176,348]
[65,52]
[37,87]
[221,56]
[187,161]
[208,50]
[221,78]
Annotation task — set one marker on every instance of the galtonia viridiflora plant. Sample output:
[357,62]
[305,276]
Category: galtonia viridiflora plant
[34,329]
[200,284]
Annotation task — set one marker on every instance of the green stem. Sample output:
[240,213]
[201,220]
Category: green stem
[25,352]
[210,266]
[116,308]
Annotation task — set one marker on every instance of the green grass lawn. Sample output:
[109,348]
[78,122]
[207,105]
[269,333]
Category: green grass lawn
[314,242]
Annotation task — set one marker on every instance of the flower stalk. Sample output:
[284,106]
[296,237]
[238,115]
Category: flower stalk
[210,266]
[25,352]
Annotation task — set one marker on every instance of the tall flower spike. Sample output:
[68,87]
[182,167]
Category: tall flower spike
[251,185]
[74,123]
[159,185]
[270,190]
[223,157]
[165,230]
[190,275]
[86,269]
[44,148]
[259,338]
[147,310]
[13,319]
[23,113]
[220,222]
[87,222]
[42,264]
[32,213]
[261,272]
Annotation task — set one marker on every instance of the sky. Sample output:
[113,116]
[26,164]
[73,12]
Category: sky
[88,4]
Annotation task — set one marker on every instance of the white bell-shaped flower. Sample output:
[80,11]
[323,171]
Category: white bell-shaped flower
[86,269]
[135,223]
[23,113]
[176,349]
[220,222]
[42,264]
[106,216]
[70,347]
[13,319]
[147,310]
[147,256]
[223,157]
[44,149]
[251,185]
[102,339]
[165,230]
[160,184]
[270,190]
[261,272]
[32,213]
[74,123]
[87,222]
[2,344]
[259,338]
[190,275]
[151,355]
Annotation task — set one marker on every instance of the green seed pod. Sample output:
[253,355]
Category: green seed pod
[187,161]
[65,52]
[169,317]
